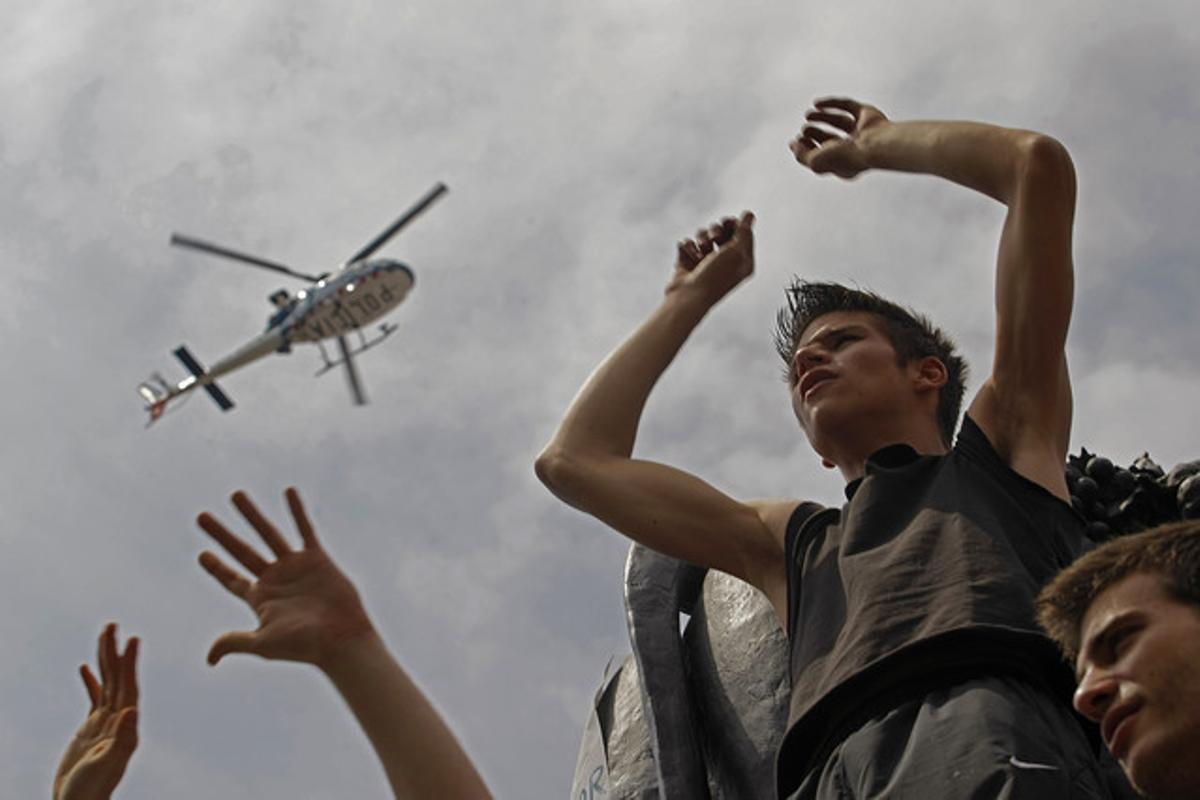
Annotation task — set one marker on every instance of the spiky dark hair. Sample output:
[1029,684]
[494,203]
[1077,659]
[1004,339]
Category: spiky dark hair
[912,335]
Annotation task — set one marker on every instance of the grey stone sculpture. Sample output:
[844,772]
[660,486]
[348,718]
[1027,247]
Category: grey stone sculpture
[698,710]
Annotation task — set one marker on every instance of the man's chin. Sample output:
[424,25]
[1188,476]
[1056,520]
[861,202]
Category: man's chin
[1156,769]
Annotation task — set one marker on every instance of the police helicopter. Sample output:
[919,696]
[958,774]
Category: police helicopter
[331,307]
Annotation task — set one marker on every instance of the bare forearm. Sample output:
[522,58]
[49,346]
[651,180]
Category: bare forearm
[603,418]
[419,753]
[986,158]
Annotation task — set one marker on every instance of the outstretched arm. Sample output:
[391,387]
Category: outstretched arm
[589,463]
[97,757]
[309,611]
[1025,405]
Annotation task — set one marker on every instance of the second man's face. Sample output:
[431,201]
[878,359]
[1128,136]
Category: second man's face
[1139,669]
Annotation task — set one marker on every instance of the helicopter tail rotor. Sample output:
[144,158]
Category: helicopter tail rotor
[156,392]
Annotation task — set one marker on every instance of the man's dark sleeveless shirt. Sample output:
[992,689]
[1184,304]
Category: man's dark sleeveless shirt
[924,579]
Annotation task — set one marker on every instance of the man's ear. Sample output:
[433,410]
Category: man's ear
[930,373]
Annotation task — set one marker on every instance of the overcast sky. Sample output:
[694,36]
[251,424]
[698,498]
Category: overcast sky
[580,141]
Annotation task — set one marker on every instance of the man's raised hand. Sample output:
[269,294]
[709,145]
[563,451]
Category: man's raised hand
[306,607]
[838,147]
[97,757]
[309,611]
[719,257]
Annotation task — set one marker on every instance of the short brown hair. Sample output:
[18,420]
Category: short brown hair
[912,336]
[1170,551]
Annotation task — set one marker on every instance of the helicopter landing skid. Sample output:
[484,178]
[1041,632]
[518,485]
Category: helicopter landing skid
[385,330]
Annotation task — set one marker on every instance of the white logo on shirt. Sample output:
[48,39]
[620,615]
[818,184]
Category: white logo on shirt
[1019,764]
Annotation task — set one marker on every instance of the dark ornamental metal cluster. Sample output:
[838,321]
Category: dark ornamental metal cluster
[1116,501]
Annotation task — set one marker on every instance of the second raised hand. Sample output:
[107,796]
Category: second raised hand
[307,609]
[97,757]
[719,257]
[838,147]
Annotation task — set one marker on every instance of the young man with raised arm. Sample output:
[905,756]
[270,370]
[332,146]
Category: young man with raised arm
[917,668]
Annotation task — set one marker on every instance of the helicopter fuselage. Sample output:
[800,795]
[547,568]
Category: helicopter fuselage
[353,298]
[361,292]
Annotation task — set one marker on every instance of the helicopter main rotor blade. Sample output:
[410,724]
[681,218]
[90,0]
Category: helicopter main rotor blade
[407,217]
[360,399]
[216,250]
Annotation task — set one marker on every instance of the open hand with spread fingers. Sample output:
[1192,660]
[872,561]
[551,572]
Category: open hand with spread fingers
[306,607]
[97,757]
[309,611]
[719,257]
[834,135]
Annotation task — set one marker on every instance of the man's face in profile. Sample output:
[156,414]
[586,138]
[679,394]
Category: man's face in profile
[1139,678]
[844,370]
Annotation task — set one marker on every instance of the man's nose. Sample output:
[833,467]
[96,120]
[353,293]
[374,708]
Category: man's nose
[808,357]
[1095,694]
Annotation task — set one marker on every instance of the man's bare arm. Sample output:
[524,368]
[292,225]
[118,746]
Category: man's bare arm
[589,462]
[309,611]
[1025,405]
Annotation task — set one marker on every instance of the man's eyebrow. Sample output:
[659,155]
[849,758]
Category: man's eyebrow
[825,333]
[1102,635]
